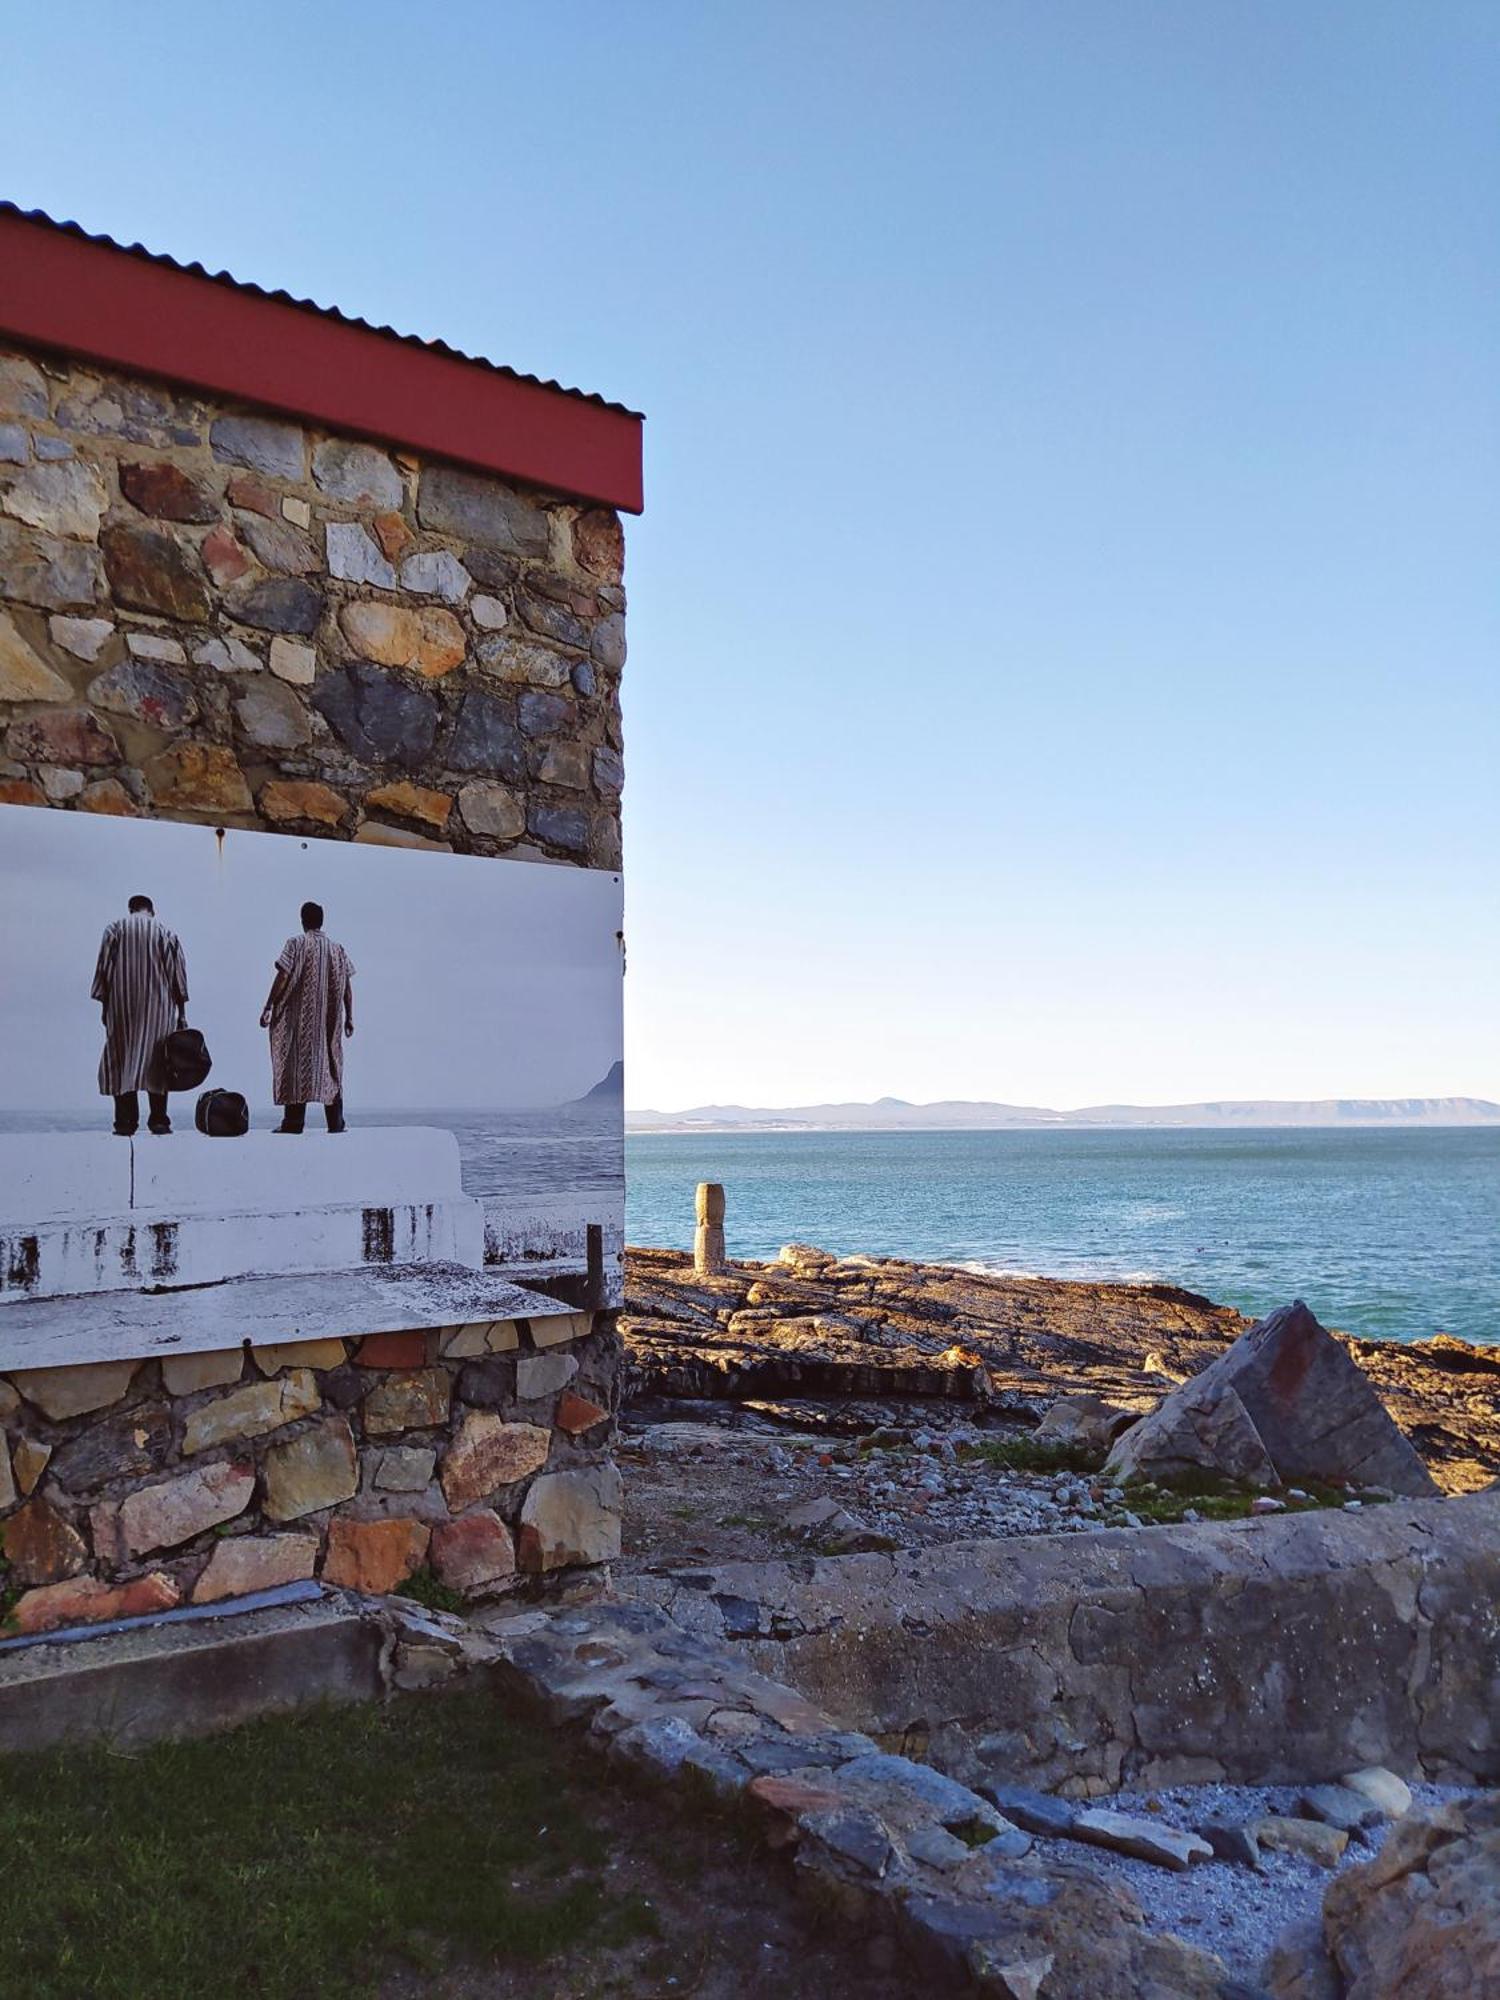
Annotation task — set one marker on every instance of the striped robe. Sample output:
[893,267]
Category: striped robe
[307,1028]
[141,979]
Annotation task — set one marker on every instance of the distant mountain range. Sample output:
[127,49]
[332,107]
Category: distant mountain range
[894,1114]
[611,1084]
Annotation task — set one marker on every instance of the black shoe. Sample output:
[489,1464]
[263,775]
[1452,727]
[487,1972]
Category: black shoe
[126,1131]
[161,1127]
[340,1127]
[294,1130]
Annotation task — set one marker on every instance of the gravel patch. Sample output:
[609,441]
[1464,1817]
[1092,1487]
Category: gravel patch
[1234,1911]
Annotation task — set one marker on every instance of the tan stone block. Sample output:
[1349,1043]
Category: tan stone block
[73,1392]
[86,1600]
[373,834]
[292,661]
[571,1517]
[408,1402]
[374,1556]
[245,1563]
[408,801]
[30,1460]
[317,1469]
[159,1517]
[488,1453]
[24,674]
[186,1374]
[502,1336]
[430,639]
[558,1327]
[302,798]
[252,1411]
[296,511]
[10,1402]
[7,1479]
[475,1552]
[201,776]
[299,1354]
[462,1343]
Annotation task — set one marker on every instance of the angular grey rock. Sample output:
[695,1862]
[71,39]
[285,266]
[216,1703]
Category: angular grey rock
[1033,1812]
[275,604]
[1083,1420]
[1316,1413]
[1231,1842]
[1299,1967]
[559,826]
[84,638]
[437,573]
[609,642]
[1341,1806]
[13,446]
[484,738]
[542,713]
[23,387]
[147,691]
[609,772]
[856,1837]
[47,571]
[482,510]
[262,442]
[359,473]
[280,545]
[1202,1426]
[354,557]
[1146,1839]
[272,715]
[377,715]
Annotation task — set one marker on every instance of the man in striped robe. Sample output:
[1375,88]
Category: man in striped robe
[310,1013]
[140,983]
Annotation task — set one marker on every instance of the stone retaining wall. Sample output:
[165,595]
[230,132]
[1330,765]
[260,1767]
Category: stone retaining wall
[1283,1650]
[475,1452]
[212,614]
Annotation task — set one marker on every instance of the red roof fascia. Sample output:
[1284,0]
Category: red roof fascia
[65,290]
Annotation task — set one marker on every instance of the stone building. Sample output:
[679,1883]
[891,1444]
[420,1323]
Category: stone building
[266,566]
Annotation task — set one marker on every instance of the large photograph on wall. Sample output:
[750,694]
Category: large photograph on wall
[259,1088]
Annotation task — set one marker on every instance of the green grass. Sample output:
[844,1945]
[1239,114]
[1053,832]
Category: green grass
[1029,1454]
[301,1856]
[426,1587]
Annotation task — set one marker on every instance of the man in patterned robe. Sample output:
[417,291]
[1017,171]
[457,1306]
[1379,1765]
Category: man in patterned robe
[310,1013]
[140,983]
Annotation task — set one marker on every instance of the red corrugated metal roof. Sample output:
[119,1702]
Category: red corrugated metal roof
[308,305]
[65,287]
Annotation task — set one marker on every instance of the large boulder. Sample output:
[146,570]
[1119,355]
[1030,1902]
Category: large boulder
[1421,1920]
[1203,1426]
[1306,1398]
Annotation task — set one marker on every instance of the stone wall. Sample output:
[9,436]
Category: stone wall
[1278,1651]
[475,1453]
[212,614]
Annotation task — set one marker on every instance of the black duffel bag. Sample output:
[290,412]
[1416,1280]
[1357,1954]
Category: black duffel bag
[183,1058]
[222,1114]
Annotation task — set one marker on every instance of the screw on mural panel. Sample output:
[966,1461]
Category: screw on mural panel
[708,1237]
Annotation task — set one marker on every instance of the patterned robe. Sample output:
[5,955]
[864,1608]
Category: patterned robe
[141,978]
[307,1027]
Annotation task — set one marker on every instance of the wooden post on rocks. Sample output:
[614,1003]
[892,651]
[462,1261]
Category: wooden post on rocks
[708,1237]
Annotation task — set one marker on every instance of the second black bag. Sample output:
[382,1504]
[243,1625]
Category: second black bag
[222,1114]
[184,1058]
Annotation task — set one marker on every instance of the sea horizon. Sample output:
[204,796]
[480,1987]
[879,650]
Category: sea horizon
[1386,1234]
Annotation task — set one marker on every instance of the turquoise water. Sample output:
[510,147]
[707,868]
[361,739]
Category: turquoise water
[1385,1234]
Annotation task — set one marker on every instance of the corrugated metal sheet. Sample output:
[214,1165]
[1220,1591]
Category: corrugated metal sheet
[308,306]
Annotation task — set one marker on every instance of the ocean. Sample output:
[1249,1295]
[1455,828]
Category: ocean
[1390,1235]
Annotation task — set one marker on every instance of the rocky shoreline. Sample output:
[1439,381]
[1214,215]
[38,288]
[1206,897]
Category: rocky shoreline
[828,1344]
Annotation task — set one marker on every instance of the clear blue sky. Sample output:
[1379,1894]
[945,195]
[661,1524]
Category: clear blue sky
[1064,624]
